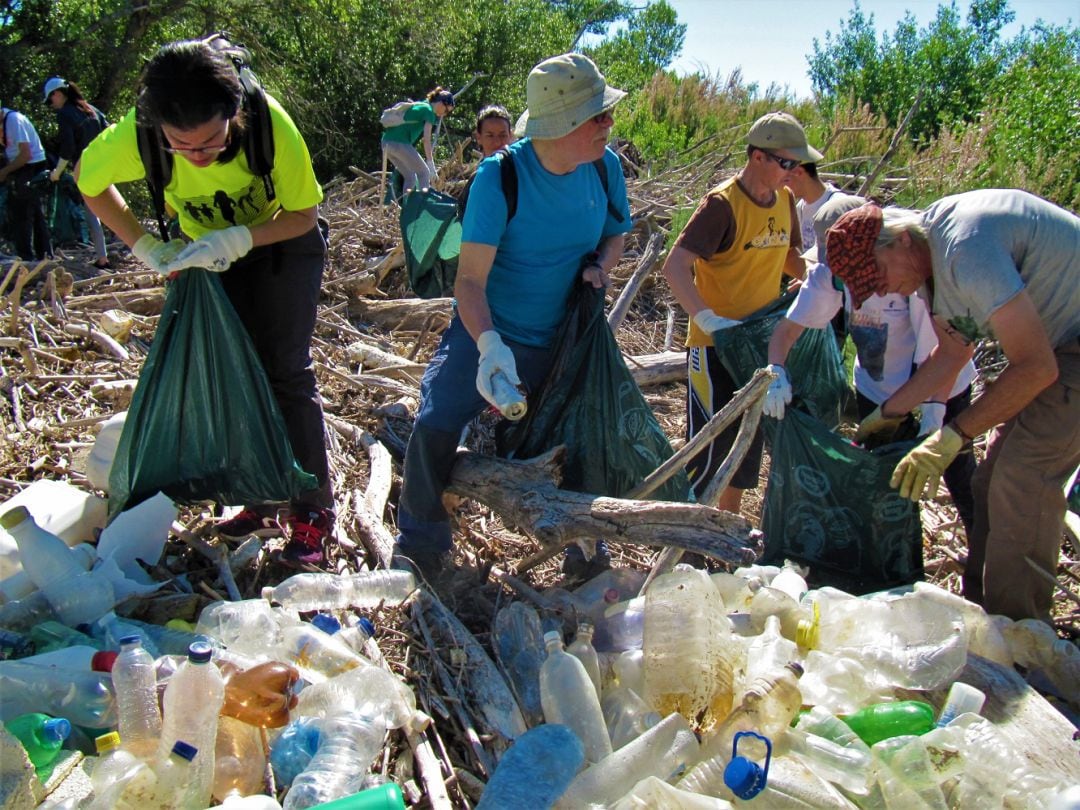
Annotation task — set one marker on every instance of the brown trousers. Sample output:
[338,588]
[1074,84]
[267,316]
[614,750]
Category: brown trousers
[1019,502]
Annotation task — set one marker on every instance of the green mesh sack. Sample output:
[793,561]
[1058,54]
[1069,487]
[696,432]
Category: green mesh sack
[591,404]
[431,235]
[203,423]
[828,505]
[814,364]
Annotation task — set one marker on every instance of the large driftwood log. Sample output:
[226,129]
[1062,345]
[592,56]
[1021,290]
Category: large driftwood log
[526,494]
[657,369]
[403,313]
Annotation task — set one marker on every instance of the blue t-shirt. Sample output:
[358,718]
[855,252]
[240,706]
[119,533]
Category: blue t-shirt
[559,219]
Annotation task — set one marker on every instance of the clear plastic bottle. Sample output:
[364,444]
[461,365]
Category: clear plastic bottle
[293,748]
[239,760]
[350,741]
[962,699]
[193,700]
[113,765]
[794,786]
[582,649]
[249,626]
[765,653]
[42,737]
[374,690]
[661,751]
[684,640]
[136,698]
[536,769]
[366,589]
[629,668]
[174,773]
[78,596]
[984,637]
[848,767]
[519,646]
[48,636]
[568,697]
[20,585]
[262,695]
[316,654]
[769,601]
[85,698]
[841,684]
[790,580]
[906,777]
[621,626]
[735,591]
[626,715]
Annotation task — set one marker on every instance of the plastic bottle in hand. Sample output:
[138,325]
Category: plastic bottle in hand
[582,649]
[510,401]
[350,741]
[135,685]
[42,737]
[569,698]
[262,695]
[193,701]
[366,589]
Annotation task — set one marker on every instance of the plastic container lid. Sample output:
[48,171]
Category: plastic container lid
[103,660]
[107,742]
[132,639]
[13,517]
[200,652]
[325,622]
[185,750]
[367,626]
[808,633]
[56,729]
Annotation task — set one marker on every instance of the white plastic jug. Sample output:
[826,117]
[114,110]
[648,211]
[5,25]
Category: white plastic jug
[99,463]
[72,514]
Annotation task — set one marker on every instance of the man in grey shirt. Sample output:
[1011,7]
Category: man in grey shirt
[1006,264]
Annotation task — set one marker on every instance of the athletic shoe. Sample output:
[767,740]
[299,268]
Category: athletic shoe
[247,523]
[310,529]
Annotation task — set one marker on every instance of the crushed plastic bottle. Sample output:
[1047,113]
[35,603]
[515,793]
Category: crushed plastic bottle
[350,741]
[367,589]
[85,698]
[765,653]
[536,770]
[372,690]
[135,685]
[239,761]
[250,626]
[317,655]
[568,698]
[519,647]
[262,695]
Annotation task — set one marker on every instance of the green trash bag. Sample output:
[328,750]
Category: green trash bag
[203,423]
[591,404]
[814,364]
[431,235]
[828,505]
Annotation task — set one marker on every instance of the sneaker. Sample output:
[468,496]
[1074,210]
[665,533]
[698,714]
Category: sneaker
[308,537]
[247,523]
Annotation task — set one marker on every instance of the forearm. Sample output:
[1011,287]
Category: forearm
[610,251]
[795,265]
[470,287]
[427,143]
[783,338]
[1017,386]
[679,272]
[15,164]
[284,225]
[933,380]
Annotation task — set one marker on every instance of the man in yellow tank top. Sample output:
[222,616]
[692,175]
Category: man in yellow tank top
[726,264]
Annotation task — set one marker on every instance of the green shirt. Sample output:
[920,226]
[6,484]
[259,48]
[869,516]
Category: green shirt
[219,195]
[410,132]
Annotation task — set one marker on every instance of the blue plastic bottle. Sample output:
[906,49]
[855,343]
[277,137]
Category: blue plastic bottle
[536,770]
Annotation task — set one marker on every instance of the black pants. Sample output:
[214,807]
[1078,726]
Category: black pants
[958,474]
[28,221]
[275,290]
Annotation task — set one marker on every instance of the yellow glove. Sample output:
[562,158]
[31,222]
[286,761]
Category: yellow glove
[877,422]
[925,464]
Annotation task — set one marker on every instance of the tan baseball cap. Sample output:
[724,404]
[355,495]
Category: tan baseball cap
[780,130]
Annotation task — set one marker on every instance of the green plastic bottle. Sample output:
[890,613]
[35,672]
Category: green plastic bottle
[880,721]
[383,797]
[41,736]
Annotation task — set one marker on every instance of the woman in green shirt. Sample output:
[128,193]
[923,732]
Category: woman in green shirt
[398,141]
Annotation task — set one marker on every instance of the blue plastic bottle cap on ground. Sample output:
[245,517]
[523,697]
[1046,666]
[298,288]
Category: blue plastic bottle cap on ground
[367,626]
[325,622]
[56,729]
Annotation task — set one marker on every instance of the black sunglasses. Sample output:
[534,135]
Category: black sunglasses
[787,164]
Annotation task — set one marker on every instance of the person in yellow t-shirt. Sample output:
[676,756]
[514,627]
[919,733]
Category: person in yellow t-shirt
[726,264]
[269,248]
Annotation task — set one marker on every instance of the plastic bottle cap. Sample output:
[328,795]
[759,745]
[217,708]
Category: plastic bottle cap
[367,626]
[796,668]
[185,750]
[808,633]
[611,596]
[56,729]
[744,778]
[132,639]
[13,517]
[552,635]
[200,652]
[107,742]
[267,593]
[325,622]
[103,660]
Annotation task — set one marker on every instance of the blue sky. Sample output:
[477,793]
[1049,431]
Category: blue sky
[770,39]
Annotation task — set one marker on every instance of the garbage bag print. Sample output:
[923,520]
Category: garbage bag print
[829,505]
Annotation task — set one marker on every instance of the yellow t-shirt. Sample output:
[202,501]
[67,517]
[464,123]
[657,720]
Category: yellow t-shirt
[219,195]
[742,248]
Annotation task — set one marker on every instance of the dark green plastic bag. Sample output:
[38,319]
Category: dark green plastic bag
[814,364]
[591,404]
[829,505]
[203,423]
[431,236]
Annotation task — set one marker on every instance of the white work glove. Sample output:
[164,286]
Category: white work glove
[779,394]
[216,251]
[495,356]
[932,417]
[58,172]
[156,254]
[709,322]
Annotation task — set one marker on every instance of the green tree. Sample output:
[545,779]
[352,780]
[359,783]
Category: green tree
[651,41]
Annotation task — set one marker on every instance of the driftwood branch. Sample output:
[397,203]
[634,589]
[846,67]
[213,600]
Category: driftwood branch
[371,505]
[648,260]
[657,369]
[894,144]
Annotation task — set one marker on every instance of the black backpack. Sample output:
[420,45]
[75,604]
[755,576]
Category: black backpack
[258,134]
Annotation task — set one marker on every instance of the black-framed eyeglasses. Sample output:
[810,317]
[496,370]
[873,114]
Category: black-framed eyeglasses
[787,164]
[201,150]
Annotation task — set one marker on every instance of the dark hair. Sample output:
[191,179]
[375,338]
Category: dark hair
[185,84]
[810,169]
[74,95]
[441,95]
[493,111]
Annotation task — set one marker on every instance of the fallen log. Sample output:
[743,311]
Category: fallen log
[657,369]
[402,313]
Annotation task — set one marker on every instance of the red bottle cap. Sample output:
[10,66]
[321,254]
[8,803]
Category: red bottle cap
[103,661]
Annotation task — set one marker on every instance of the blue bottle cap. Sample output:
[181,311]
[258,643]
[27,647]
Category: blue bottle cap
[132,639]
[367,626]
[325,622]
[199,652]
[744,777]
[56,729]
[185,750]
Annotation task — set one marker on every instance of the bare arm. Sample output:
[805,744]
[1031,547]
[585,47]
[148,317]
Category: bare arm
[610,251]
[112,209]
[679,272]
[783,338]
[18,161]
[284,225]
[795,265]
[470,287]
[427,142]
[1032,367]
[934,379]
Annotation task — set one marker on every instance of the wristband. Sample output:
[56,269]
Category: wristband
[963,434]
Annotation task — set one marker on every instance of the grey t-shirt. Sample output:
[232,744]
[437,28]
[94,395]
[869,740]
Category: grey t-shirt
[988,245]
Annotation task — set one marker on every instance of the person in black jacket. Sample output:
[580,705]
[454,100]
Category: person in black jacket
[80,122]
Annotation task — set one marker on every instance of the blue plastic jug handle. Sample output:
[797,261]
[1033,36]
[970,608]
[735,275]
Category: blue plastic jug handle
[768,749]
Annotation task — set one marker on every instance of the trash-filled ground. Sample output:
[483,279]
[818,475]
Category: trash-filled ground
[338,684]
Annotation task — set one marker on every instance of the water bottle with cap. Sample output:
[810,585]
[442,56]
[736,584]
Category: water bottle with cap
[359,633]
[664,749]
[519,647]
[135,685]
[42,736]
[192,703]
[535,770]
[239,760]
[582,649]
[765,653]
[113,765]
[317,655]
[349,742]
[293,748]
[262,695]
[78,596]
[882,721]
[367,589]
[166,784]
[782,782]
[509,400]
[568,697]
[85,698]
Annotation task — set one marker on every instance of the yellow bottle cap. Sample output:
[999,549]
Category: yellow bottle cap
[807,635]
[107,742]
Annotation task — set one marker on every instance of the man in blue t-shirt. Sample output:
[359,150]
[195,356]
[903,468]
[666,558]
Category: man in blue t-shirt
[514,279]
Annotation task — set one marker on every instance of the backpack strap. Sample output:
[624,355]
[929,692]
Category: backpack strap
[601,172]
[158,166]
[259,138]
[509,180]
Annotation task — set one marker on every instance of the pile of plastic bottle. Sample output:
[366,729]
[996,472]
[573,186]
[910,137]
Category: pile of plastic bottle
[250,700]
[747,688]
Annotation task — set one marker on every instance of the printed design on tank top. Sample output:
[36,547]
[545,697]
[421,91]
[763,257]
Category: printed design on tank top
[768,237]
[221,209]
